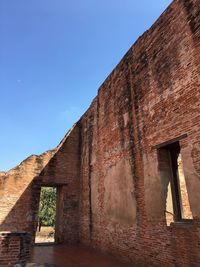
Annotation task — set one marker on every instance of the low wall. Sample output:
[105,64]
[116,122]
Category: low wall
[14,248]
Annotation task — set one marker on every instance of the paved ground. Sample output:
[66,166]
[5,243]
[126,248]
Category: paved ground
[74,256]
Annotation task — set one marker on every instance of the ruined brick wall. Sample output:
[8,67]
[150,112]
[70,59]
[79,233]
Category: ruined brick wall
[20,190]
[14,248]
[107,170]
[151,97]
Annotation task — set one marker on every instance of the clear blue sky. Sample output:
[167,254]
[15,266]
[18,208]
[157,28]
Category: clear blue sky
[54,54]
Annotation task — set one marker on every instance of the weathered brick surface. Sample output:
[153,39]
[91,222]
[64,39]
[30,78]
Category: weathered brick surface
[107,167]
[14,248]
[152,96]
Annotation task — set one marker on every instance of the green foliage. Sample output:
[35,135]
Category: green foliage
[47,207]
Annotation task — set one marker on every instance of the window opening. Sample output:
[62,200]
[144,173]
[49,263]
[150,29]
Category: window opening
[175,195]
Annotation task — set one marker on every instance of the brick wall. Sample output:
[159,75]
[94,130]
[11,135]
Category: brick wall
[151,97]
[14,248]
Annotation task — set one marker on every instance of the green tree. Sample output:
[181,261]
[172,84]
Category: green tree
[47,207]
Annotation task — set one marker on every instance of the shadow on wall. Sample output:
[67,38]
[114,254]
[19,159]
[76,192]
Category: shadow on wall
[22,215]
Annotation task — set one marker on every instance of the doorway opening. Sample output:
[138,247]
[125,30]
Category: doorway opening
[47,215]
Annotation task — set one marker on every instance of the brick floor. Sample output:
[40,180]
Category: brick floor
[74,256]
